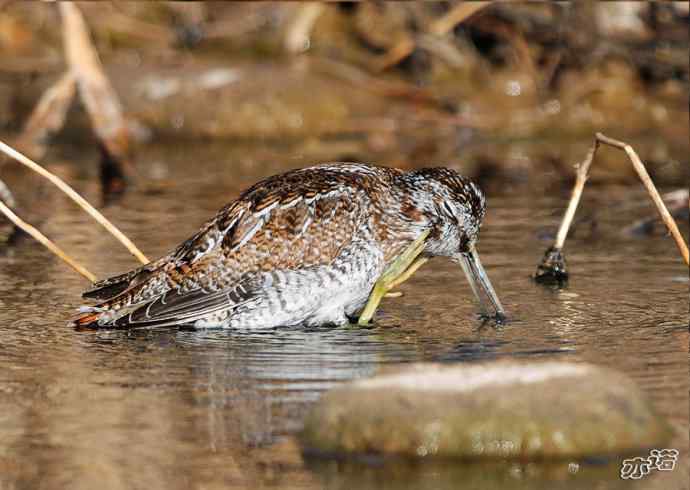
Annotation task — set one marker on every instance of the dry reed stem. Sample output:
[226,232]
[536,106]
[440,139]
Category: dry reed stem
[45,241]
[653,193]
[646,181]
[60,184]
[580,180]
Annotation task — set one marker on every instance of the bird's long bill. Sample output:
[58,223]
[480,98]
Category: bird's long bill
[477,278]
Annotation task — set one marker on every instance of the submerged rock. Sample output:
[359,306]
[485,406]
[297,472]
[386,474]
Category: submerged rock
[488,410]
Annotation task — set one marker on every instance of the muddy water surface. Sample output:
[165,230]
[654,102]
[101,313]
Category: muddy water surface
[176,408]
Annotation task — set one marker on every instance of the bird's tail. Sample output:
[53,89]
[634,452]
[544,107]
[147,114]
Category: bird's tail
[88,317]
[114,293]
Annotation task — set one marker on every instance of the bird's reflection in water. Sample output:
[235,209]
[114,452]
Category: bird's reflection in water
[248,382]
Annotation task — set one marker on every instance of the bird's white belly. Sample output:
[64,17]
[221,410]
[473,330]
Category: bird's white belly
[312,305]
[313,296]
[339,306]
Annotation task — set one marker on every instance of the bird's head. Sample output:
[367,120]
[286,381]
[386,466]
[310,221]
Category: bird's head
[454,207]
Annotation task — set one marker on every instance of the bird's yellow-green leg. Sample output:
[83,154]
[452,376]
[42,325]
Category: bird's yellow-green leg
[398,269]
[407,274]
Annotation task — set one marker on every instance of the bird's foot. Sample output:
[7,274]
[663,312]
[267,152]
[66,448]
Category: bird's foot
[399,271]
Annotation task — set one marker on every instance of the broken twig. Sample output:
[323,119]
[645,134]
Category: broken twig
[580,180]
[653,193]
[45,241]
[60,184]
[552,267]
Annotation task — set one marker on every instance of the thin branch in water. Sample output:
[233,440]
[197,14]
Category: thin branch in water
[651,190]
[45,241]
[60,184]
[580,180]
[552,267]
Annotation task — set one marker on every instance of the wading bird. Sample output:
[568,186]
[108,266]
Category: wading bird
[320,245]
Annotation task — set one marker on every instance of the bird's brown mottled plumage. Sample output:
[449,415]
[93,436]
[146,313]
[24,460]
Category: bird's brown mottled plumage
[304,220]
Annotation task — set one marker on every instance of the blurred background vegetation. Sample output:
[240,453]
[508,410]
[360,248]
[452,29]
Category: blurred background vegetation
[508,93]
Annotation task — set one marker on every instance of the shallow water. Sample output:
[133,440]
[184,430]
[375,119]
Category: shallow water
[209,409]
